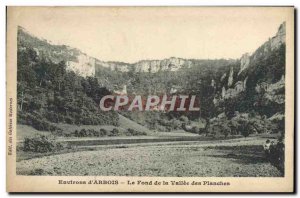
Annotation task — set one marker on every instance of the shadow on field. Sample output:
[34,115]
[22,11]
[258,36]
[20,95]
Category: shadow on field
[242,159]
[250,154]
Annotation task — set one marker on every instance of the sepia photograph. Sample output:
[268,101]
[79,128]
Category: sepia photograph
[150,99]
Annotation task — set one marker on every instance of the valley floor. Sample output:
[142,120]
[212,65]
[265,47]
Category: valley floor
[240,157]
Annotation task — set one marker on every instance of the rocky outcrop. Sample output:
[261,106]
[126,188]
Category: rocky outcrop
[272,92]
[239,87]
[277,117]
[245,60]
[113,66]
[230,78]
[279,39]
[170,64]
[153,66]
[270,89]
[76,60]
[273,43]
[223,77]
[84,66]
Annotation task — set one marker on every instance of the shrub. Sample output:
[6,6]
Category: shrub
[184,119]
[103,132]
[82,133]
[41,144]
[69,120]
[195,129]
[76,133]
[36,121]
[114,132]
[58,132]
[176,124]
[132,132]
[52,117]
[94,133]
[37,172]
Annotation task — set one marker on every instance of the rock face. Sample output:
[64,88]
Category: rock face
[279,39]
[239,87]
[230,78]
[113,66]
[170,64]
[223,77]
[272,92]
[272,44]
[76,61]
[153,66]
[245,60]
[84,66]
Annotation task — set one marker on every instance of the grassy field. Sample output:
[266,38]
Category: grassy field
[28,131]
[241,157]
[176,153]
[124,124]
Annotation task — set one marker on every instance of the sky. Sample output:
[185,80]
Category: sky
[133,34]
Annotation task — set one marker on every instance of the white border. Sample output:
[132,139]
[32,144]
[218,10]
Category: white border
[4,3]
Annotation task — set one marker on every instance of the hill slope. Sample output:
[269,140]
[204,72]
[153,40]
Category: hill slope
[127,123]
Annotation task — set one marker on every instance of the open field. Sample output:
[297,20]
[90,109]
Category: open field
[241,157]
[28,131]
[124,124]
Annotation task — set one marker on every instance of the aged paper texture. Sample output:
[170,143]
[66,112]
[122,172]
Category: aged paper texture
[150,99]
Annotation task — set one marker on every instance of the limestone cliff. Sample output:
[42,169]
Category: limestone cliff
[245,60]
[170,64]
[236,86]
[272,44]
[83,66]
[273,92]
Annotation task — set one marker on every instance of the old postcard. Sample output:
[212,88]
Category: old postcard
[150,99]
